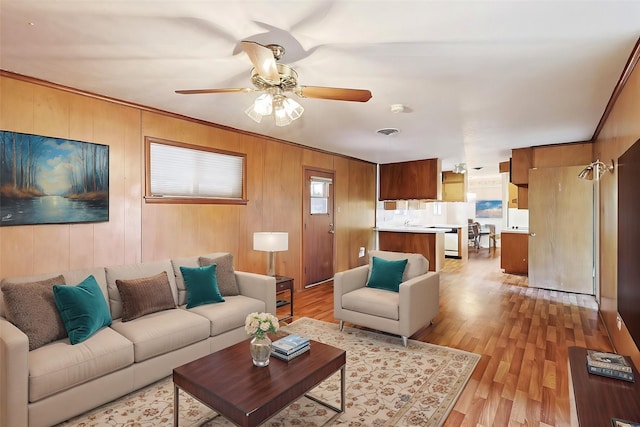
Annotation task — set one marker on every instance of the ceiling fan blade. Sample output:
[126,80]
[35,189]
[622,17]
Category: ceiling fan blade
[195,91]
[263,60]
[340,94]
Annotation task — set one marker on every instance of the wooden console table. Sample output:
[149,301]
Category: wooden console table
[595,399]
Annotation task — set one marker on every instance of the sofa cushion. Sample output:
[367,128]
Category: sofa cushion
[162,332]
[230,315]
[31,308]
[83,309]
[136,271]
[192,261]
[417,264]
[202,285]
[375,302]
[59,365]
[386,274]
[145,295]
[225,273]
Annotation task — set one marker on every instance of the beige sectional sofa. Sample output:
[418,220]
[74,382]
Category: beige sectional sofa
[58,380]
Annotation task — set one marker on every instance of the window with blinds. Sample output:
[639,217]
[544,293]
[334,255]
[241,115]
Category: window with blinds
[178,172]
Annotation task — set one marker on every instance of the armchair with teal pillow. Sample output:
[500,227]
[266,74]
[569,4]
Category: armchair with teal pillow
[395,293]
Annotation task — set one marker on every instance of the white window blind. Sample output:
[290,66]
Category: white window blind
[177,171]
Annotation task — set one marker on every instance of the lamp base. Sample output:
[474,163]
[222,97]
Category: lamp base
[271,264]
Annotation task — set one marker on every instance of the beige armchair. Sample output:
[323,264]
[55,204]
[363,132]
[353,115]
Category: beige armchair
[402,313]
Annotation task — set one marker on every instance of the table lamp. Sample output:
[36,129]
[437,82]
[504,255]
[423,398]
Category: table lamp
[271,242]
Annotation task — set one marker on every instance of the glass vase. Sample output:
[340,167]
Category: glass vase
[260,350]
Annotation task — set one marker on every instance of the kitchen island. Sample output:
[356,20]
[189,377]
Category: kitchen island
[428,241]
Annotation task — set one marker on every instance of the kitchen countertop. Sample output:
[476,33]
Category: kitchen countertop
[516,230]
[413,229]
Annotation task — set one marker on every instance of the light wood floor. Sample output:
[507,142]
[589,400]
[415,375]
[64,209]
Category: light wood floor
[522,334]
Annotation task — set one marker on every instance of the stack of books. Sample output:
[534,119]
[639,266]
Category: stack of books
[289,347]
[609,365]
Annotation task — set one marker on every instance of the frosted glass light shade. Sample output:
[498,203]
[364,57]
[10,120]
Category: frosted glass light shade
[293,109]
[285,110]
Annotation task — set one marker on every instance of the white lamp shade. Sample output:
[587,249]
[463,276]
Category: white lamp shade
[271,241]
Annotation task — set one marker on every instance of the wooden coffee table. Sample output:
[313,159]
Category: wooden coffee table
[229,383]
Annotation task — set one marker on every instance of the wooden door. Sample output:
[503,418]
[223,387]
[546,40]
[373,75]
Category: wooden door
[561,230]
[318,233]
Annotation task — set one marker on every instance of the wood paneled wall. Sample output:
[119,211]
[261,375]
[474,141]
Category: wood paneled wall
[139,231]
[620,130]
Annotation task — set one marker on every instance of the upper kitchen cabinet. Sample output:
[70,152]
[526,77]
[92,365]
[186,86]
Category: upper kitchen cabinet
[521,162]
[419,179]
[454,187]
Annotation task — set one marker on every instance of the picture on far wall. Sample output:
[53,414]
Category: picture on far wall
[489,209]
[46,180]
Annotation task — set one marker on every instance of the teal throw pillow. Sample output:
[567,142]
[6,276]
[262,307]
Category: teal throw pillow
[83,309]
[202,285]
[386,274]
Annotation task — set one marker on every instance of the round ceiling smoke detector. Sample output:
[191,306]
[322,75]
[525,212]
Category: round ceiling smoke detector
[388,131]
[398,108]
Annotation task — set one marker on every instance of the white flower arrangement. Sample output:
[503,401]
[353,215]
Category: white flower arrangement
[261,324]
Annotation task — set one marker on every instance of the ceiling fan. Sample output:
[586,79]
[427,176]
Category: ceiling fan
[276,79]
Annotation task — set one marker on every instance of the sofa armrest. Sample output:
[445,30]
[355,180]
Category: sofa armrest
[14,375]
[350,280]
[421,297]
[258,286]
[345,282]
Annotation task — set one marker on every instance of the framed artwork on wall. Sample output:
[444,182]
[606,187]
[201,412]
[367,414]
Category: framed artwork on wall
[46,180]
[489,209]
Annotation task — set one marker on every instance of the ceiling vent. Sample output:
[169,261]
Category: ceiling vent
[387,131]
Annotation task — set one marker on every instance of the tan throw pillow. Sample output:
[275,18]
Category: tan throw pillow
[225,274]
[145,296]
[32,309]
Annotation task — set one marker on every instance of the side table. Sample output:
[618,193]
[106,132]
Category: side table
[282,285]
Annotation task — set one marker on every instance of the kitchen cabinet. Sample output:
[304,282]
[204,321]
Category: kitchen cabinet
[523,197]
[521,162]
[514,255]
[513,196]
[419,179]
[454,187]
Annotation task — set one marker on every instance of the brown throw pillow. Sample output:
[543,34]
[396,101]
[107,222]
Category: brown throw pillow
[225,274]
[32,309]
[144,296]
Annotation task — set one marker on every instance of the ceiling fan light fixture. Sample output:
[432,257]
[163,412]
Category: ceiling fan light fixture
[285,110]
[263,104]
[281,116]
[253,114]
[293,109]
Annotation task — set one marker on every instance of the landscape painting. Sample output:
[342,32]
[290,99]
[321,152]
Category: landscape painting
[46,180]
[489,209]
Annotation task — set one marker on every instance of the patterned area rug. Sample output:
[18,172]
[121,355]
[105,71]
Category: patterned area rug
[386,385]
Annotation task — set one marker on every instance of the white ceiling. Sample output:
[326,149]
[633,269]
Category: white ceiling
[478,77]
